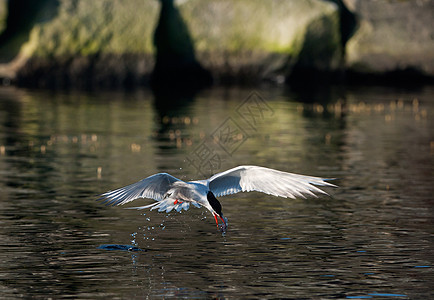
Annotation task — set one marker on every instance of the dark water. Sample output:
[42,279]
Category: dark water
[372,238]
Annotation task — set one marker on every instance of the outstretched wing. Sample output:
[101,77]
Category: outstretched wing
[153,187]
[269,181]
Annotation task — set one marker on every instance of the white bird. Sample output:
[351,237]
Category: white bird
[173,193]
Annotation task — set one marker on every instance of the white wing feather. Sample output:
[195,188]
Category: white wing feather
[168,205]
[269,181]
[153,187]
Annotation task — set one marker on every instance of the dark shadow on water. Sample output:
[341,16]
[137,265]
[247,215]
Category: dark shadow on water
[172,108]
[322,94]
[172,103]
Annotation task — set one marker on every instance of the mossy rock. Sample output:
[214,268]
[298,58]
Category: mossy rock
[255,39]
[244,40]
[392,36]
[96,27]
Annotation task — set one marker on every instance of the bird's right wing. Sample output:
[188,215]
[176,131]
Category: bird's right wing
[265,180]
[153,187]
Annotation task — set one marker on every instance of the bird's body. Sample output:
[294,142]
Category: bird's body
[173,193]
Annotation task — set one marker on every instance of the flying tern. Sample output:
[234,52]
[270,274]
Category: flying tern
[171,193]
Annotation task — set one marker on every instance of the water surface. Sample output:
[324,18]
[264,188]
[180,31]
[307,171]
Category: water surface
[371,238]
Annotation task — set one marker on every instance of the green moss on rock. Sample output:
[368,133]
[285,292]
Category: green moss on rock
[243,39]
[392,36]
[263,39]
[91,27]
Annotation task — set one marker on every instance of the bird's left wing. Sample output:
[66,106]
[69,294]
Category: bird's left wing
[265,180]
[153,187]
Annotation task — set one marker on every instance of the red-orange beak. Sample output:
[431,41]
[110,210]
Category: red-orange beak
[223,226]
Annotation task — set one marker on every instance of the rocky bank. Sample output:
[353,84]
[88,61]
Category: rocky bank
[60,43]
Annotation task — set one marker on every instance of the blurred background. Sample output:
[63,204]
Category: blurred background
[53,43]
[96,95]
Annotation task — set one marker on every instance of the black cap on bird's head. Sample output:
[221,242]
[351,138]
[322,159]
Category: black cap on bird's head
[215,204]
[217,207]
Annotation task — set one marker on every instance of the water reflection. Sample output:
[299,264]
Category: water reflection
[372,237]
